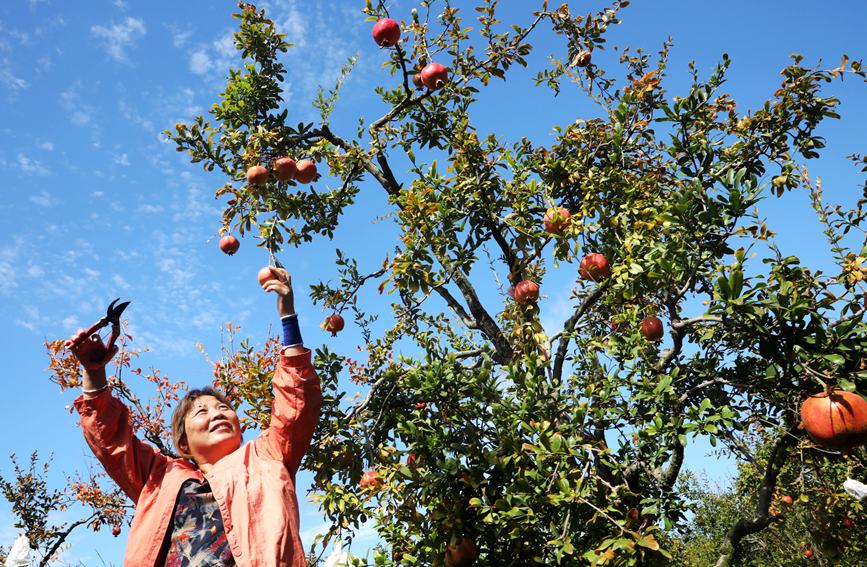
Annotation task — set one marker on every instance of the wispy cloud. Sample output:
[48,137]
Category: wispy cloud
[122,159]
[215,58]
[78,112]
[9,80]
[43,199]
[118,37]
[29,165]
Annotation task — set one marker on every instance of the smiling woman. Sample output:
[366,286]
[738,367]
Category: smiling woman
[223,502]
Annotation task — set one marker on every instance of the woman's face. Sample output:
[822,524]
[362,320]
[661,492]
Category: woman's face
[212,430]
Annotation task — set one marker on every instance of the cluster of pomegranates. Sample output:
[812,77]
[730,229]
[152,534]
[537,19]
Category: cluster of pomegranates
[386,33]
[593,267]
[285,169]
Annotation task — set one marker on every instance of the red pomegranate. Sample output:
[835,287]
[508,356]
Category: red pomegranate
[257,175]
[526,291]
[371,479]
[284,169]
[462,553]
[434,76]
[265,274]
[837,420]
[594,267]
[306,171]
[386,32]
[229,244]
[556,220]
[333,324]
[651,328]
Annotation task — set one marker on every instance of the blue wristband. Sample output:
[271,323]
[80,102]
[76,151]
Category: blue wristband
[291,331]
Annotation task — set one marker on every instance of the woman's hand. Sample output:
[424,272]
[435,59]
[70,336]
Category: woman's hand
[91,352]
[282,286]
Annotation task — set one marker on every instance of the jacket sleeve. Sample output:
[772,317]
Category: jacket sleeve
[126,459]
[295,411]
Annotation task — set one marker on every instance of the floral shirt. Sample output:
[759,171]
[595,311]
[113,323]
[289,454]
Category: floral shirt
[196,536]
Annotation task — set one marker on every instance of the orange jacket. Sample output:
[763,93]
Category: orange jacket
[254,486]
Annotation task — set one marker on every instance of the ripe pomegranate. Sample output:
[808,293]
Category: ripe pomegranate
[594,267]
[333,324]
[284,169]
[229,244]
[462,553]
[434,76]
[837,420]
[848,523]
[416,81]
[808,553]
[306,171]
[526,291]
[583,58]
[556,220]
[386,32]
[420,405]
[115,531]
[651,329]
[370,479]
[787,500]
[265,274]
[257,175]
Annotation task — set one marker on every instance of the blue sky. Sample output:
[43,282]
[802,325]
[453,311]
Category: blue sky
[97,205]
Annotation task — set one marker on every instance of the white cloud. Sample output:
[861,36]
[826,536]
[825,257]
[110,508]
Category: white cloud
[10,81]
[135,117]
[48,146]
[7,277]
[122,159]
[29,165]
[119,282]
[97,193]
[179,37]
[200,63]
[35,271]
[216,58]
[150,209]
[79,113]
[118,37]
[43,199]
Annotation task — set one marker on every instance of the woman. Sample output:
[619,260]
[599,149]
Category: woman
[224,503]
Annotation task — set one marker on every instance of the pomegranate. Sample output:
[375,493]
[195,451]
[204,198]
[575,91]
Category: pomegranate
[837,420]
[526,291]
[265,274]
[306,171]
[651,329]
[229,244]
[594,267]
[284,169]
[333,324]
[434,76]
[808,553]
[370,479]
[416,81]
[115,531]
[420,405]
[257,175]
[787,500]
[556,220]
[462,553]
[386,32]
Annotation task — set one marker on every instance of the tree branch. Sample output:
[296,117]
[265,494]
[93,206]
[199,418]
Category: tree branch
[762,518]
[569,326]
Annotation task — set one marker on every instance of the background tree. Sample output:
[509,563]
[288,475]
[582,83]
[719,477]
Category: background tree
[476,425]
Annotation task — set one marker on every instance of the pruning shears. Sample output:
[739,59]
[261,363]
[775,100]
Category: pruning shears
[112,317]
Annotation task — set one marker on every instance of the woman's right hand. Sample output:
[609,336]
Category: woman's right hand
[91,352]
